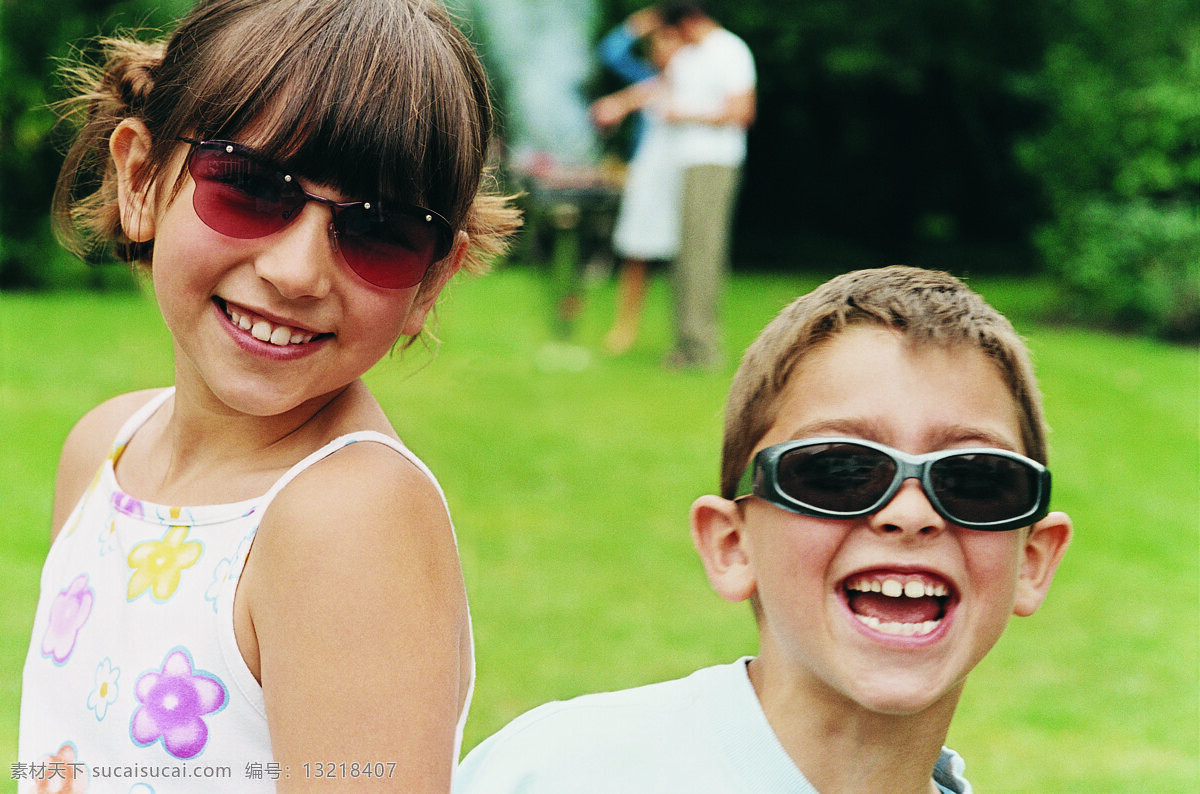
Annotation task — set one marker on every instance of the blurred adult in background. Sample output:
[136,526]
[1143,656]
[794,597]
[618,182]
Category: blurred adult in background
[711,84]
[648,222]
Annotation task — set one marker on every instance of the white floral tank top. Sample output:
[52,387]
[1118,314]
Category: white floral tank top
[134,682]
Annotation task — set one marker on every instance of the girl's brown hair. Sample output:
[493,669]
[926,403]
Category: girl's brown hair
[927,307]
[376,98]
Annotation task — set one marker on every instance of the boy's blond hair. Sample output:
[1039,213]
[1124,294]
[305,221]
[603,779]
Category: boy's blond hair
[927,307]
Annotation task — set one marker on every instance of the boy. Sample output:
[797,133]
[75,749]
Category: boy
[884,508]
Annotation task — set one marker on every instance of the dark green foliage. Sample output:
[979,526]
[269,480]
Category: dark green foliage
[980,135]
[1120,163]
[34,38]
[888,127]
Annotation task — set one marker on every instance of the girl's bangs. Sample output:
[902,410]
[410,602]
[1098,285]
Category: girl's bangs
[363,111]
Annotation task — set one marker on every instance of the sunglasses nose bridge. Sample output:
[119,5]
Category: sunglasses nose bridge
[908,468]
[910,509]
[336,210]
[303,198]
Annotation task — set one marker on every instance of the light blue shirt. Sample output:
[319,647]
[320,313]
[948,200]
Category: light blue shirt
[703,733]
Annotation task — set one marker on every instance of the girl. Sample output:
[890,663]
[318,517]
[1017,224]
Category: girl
[236,579]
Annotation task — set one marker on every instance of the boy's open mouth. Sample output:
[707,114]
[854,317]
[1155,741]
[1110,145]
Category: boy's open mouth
[907,605]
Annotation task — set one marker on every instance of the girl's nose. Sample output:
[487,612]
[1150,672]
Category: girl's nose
[299,259]
[908,513]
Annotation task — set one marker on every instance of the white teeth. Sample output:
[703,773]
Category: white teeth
[900,629]
[892,588]
[265,332]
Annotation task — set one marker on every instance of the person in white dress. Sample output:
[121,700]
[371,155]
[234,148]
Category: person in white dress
[647,227]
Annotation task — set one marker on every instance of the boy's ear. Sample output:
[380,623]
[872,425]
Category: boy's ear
[428,294]
[129,146]
[719,538]
[1041,553]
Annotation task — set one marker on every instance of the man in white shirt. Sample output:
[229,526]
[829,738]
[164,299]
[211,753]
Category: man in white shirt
[712,102]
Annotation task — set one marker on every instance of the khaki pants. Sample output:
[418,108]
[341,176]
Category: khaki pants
[702,266]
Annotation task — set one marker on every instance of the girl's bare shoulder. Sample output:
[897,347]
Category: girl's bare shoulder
[354,577]
[87,445]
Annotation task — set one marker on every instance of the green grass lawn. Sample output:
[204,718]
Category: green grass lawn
[570,488]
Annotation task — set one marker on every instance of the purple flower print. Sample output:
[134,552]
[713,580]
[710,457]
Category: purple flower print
[124,503]
[68,613]
[173,702]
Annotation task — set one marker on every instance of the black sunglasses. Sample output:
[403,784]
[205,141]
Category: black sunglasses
[240,193]
[990,489]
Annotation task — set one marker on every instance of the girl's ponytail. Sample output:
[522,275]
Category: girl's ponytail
[85,214]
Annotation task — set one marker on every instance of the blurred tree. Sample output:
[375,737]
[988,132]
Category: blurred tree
[33,36]
[982,135]
[887,129]
[1120,162]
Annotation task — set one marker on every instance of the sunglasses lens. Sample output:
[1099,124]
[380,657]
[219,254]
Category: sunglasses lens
[241,196]
[983,488]
[980,489]
[238,196]
[391,250]
[838,478]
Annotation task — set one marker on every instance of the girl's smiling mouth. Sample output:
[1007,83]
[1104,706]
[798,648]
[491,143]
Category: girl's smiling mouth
[899,604]
[265,330]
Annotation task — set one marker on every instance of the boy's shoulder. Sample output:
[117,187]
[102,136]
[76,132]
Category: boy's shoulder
[705,732]
[702,734]
[596,710]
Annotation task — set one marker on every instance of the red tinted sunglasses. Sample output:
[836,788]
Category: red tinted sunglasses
[241,193]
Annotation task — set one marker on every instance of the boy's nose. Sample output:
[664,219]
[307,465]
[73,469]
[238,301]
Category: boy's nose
[908,512]
[300,259]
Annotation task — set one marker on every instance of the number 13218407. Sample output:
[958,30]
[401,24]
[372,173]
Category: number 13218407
[332,770]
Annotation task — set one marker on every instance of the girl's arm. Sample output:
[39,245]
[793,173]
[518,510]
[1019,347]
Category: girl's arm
[358,610]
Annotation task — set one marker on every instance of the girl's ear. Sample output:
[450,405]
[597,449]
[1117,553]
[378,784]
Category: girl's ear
[717,534]
[428,294]
[129,146]
[1041,553]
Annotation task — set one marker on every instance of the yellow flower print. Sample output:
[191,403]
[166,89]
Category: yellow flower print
[158,563]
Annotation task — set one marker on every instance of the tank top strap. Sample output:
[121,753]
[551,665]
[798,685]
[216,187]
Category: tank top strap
[344,441]
[141,415]
[139,418]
